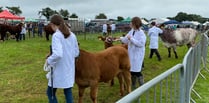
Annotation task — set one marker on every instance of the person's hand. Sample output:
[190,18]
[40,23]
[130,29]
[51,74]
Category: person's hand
[48,55]
[116,39]
[129,37]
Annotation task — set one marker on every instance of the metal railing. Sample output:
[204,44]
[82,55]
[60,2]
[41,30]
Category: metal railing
[176,84]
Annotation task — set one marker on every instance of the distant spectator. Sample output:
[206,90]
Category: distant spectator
[113,27]
[40,29]
[23,32]
[104,29]
[34,29]
[30,25]
[109,29]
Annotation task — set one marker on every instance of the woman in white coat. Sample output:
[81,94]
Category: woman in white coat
[153,33]
[64,51]
[136,40]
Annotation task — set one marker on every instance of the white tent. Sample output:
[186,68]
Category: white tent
[195,22]
[186,22]
[159,20]
[190,22]
[144,22]
[206,23]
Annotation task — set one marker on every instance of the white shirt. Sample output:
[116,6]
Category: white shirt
[153,33]
[64,51]
[136,48]
[113,27]
[23,31]
[104,28]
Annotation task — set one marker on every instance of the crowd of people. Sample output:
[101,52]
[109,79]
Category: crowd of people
[32,29]
[108,29]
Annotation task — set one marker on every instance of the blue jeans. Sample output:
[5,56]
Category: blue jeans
[53,99]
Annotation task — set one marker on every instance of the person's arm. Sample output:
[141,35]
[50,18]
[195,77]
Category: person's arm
[125,39]
[76,47]
[57,51]
[138,40]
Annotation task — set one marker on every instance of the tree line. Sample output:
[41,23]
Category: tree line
[48,12]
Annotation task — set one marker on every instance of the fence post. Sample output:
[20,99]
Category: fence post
[182,85]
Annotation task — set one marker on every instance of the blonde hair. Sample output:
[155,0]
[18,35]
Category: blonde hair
[59,21]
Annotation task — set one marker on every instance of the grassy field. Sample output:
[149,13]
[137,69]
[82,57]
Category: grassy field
[22,79]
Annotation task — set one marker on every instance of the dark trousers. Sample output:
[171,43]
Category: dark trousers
[152,51]
[67,92]
[22,36]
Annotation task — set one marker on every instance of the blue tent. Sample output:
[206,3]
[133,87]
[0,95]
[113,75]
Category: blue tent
[172,22]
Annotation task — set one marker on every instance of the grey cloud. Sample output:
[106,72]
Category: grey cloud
[113,8]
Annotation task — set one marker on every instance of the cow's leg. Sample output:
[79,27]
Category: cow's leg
[93,93]
[81,92]
[112,82]
[47,36]
[120,79]
[174,50]
[190,45]
[3,36]
[17,36]
[127,78]
[169,52]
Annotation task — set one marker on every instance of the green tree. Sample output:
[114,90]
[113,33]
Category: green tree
[120,18]
[101,16]
[14,10]
[47,12]
[181,16]
[64,13]
[73,16]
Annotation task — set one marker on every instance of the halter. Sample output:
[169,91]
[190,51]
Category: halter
[109,40]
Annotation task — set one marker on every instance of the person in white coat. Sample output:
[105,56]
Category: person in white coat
[136,40]
[104,29]
[64,51]
[153,33]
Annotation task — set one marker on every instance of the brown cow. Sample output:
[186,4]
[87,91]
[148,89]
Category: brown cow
[108,42]
[48,30]
[12,29]
[103,66]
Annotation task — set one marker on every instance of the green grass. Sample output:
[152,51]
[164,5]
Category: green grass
[22,79]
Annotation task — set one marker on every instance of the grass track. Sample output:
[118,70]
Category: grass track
[22,79]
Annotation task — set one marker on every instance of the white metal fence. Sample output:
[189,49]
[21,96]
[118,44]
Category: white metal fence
[176,84]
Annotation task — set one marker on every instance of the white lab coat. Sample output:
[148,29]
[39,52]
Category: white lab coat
[136,48]
[153,33]
[104,28]
[64,52]
[113,27]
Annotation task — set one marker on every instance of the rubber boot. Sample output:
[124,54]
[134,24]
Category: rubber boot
[133,80]
[141,80]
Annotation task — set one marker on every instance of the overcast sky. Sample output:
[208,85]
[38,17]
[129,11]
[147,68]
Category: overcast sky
[113,8]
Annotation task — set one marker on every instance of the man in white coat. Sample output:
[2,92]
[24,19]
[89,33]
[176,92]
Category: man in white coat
[153,33]
[104,29]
